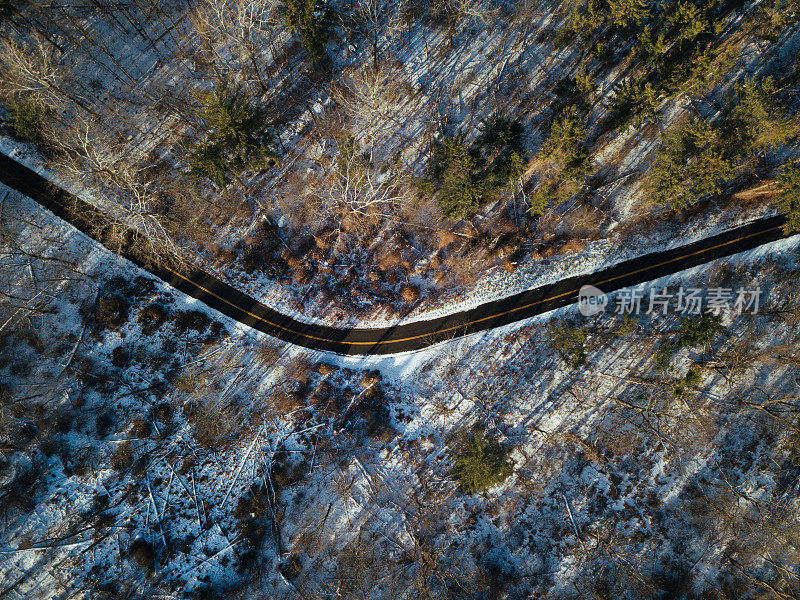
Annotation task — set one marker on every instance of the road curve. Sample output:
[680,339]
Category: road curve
[410,336]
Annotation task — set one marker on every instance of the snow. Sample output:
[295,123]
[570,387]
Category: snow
[628,488]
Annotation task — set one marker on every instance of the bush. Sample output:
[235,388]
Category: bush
[689,165]
[568,340]
[303,17]
[191,319]
[214,425]
[143,553]
[234,139]
[480,461]
[28,117]
[140,428]
[122,458]
[253,514]
[163,412]
[409,293]
[120,357]
[788,198]
[692,332]
[111,311]
[104,423]
[151,317]
[267,353]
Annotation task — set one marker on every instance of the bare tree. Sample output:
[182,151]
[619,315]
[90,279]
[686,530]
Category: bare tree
[242,29]
[356,188]
[88,150]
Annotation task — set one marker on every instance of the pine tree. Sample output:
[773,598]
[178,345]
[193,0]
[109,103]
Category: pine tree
[480,461]
[756,122]
[789,198]
[629,12]
[302,17]
[635,99]
[6,10]
[29,119]
[689,165]
[234,141]
[453,171]
[565,144]
[688,21]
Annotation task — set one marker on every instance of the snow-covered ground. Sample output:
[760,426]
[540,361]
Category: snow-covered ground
[593,476]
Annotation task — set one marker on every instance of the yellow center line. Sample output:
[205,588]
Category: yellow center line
[500,314]
[464,325]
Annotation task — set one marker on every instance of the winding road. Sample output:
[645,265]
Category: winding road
[409,336]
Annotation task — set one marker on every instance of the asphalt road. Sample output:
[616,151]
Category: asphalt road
[410,336]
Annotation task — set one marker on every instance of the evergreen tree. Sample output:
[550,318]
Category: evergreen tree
[689,165]
[453,171]
[480,461]
[234,142]
[789,198]
[465,175]
[585,87]
[565,145]
[635,99]
[6,9]
[629,12]
[29,119]
[499,154]
[687,21]
[756,121]
[302,17]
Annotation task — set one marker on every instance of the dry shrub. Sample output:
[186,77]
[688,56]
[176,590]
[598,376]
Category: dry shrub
[572,246]
[285,472]
[584,221]
[151,317]
[120,357]
[300,368]
[224,256]
[285,402]
[324,240]
[122,458]
[444,239]
[370,378]
[324,368]
[214,424]
[303,277]
[140,428]
[111,311]
[188,383]
[410,293]
[267,354]
[143,554]
[104,423]
[163,412]
[191,319]
[388,259]
[253,514]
